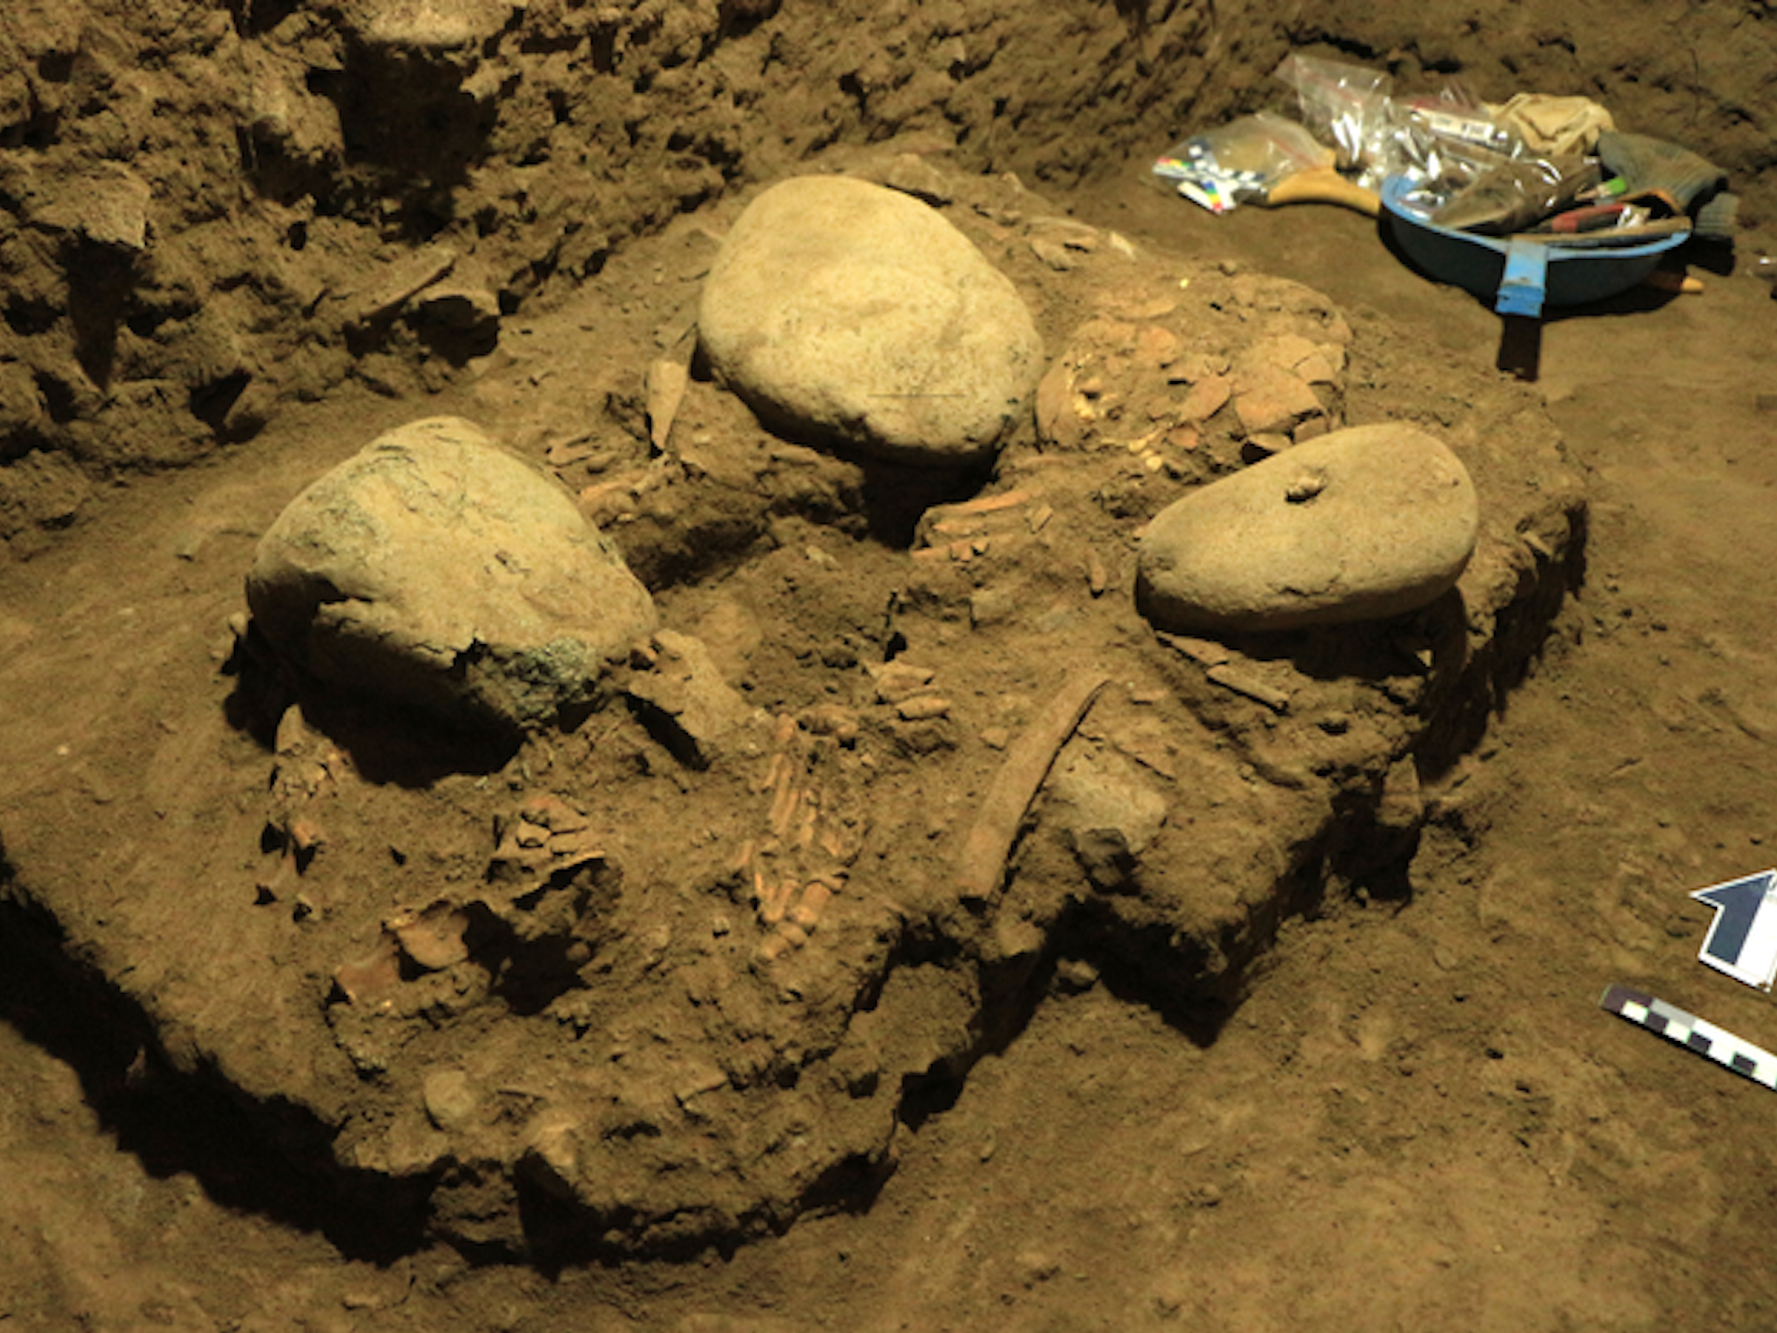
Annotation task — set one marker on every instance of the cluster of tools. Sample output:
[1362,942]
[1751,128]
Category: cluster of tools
[1546,166]
[1630,189]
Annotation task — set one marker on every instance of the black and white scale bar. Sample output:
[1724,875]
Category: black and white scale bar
[1698,1034]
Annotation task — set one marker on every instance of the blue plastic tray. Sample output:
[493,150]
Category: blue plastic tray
[1519,278]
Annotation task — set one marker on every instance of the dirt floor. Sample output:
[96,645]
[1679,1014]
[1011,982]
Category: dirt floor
[1372,1089]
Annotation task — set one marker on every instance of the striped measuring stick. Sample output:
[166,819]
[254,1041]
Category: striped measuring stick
[1697,1034]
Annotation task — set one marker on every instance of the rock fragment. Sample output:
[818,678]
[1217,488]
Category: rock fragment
[400,281]
[1268,398]
[449,1098]
[105,203]
[432,939]
[436,25]
[1108,811]
[667,381]
[912,174]
[685,701]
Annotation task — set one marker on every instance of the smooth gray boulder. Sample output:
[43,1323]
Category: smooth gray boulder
[852,314]
[1360,524]
[433,569]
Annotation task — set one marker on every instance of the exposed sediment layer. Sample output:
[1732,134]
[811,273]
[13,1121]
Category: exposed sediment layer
[621,990]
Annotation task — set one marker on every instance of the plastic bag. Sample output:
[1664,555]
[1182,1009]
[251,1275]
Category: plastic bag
[1346,106]
[1457,117]
[1239,161]
[1442,140]
[1517,194]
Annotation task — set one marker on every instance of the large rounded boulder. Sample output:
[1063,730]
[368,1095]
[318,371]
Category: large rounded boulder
[432,569]
[852,314]
[1361,524]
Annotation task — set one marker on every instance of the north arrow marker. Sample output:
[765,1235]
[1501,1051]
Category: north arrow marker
[1742,940]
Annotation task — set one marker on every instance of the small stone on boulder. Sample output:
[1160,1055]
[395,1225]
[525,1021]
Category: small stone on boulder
[434,570]
[855,314]
[1358,524]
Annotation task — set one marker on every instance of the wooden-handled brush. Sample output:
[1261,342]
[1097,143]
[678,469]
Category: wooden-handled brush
[1322,185]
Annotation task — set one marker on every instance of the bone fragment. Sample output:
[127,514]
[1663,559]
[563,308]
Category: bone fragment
[982,865]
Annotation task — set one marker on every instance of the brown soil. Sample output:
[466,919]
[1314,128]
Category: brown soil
[1329,1053]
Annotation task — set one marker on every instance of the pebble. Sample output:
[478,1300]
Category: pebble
[1359,524]
[923,708]
[900,680]
[450,1098]
[856,315]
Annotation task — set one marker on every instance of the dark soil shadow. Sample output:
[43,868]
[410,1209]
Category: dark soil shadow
[271,1161]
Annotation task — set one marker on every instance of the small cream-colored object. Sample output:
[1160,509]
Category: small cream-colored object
[1549,124]
[666,384]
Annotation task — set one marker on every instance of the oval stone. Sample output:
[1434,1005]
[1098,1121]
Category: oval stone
[847,313]
[435,570]
[1360,524]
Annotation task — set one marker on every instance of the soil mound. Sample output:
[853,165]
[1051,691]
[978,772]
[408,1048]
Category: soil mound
[679,972]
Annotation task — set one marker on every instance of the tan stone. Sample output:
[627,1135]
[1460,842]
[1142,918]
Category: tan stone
[434,570]
[1207,397]
[1360,524]
[859,316]
[1269,398]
